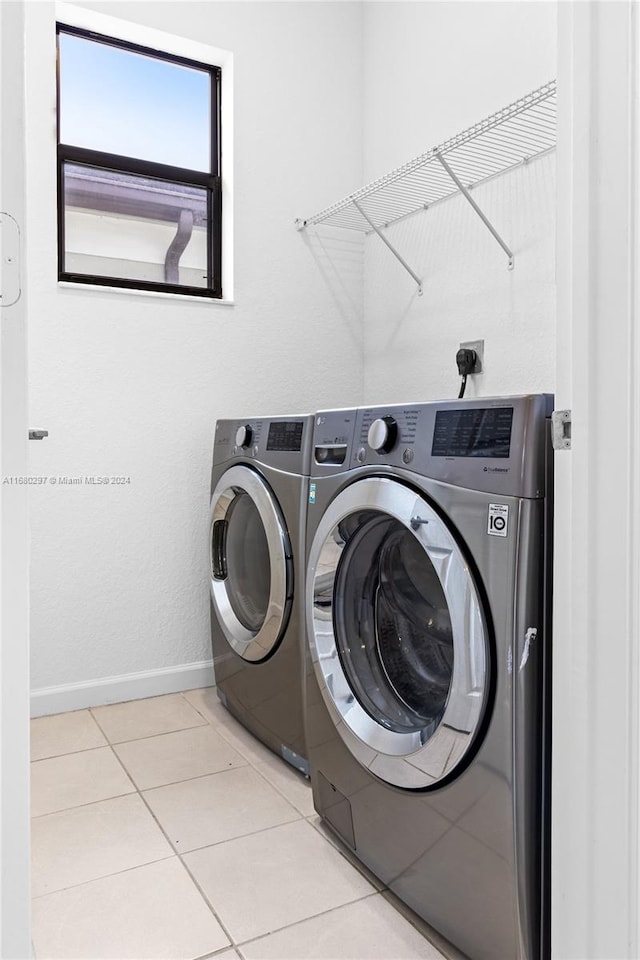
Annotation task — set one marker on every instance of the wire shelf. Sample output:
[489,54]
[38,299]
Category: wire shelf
[512,136]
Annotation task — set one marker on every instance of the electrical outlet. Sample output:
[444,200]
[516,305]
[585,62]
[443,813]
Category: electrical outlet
[478,346]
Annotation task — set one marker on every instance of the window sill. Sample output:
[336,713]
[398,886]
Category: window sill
[86,287]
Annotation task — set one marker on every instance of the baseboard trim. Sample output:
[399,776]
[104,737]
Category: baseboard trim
[129,686]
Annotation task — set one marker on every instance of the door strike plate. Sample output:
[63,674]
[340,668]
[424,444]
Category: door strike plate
[561,429]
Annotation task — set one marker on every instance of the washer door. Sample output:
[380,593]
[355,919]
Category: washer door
[251,565]
[398,639]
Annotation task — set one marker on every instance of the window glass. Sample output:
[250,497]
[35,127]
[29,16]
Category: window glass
[134,228]
[122,102]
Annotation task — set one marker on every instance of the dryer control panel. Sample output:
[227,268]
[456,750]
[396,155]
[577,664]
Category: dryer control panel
[280,442]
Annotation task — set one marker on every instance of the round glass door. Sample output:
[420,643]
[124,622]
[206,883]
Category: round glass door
[398,639]
[251,566]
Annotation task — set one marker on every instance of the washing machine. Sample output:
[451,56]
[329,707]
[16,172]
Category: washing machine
[427,673]
[259,488]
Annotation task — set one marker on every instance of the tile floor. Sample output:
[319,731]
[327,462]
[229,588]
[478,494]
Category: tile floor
[162,829]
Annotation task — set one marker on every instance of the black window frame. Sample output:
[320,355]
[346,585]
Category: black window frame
[211,181]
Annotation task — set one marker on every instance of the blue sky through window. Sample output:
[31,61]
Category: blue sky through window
[127,103]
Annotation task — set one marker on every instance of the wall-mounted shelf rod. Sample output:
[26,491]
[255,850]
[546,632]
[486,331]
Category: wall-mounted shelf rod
[391,247]
[513,136]
[463,190]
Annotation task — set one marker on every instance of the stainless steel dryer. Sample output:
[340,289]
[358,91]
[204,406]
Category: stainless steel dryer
[259,487]
[427,696]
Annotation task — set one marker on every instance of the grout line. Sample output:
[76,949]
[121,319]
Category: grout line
[90,803]
[99,726]
[202,892]
[228,728]
[73,753]
[219,953]
[183,694]
[313,916]
[201,776]
[105,876]
[150,736]
[447,950]
[226,715]
[208,903]
[240,836]
[344,851]
[156,736]
[281,792]
[226,725]
[331,840]
[69,753]
[174,783]
[184,865]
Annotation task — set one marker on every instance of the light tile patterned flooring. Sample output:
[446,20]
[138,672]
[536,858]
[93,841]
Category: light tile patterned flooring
[162,829]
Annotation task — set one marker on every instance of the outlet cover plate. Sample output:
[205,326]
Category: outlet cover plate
[478,346]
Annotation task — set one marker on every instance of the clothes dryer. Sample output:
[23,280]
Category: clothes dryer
[259,487]
[427,694]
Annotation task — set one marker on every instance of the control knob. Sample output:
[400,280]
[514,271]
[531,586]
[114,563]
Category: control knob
[244,435]
[382,434]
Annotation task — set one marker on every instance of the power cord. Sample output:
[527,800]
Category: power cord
[466,360]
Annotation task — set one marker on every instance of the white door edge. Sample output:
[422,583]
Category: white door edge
[15,935]
[596,675]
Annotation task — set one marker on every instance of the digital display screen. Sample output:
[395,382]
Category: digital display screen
[473,432]
[285,436]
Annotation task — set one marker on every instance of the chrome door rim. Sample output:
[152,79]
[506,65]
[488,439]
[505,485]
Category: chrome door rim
[403,759]
[250,645]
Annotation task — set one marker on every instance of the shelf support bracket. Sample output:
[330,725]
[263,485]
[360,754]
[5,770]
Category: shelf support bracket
[391,247]
[461,187]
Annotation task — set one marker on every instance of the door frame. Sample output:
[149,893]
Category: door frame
[15,935]
[596,674]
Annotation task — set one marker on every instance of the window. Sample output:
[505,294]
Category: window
[139,190]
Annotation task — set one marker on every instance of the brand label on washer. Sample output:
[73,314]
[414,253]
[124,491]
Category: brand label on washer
[498,521]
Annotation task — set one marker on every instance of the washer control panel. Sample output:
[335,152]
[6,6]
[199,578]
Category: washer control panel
[382,430]
[475,443]
[333,432]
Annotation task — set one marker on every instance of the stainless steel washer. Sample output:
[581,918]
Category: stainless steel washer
[427,700]
[259,487]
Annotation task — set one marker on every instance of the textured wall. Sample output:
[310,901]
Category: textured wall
[327,95]
[432,69]
[132,385]
[469,293]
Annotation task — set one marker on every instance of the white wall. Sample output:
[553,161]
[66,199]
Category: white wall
[132,385]
[432,69]
[327,95]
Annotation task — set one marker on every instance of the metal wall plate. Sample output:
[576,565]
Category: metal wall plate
[478,346]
